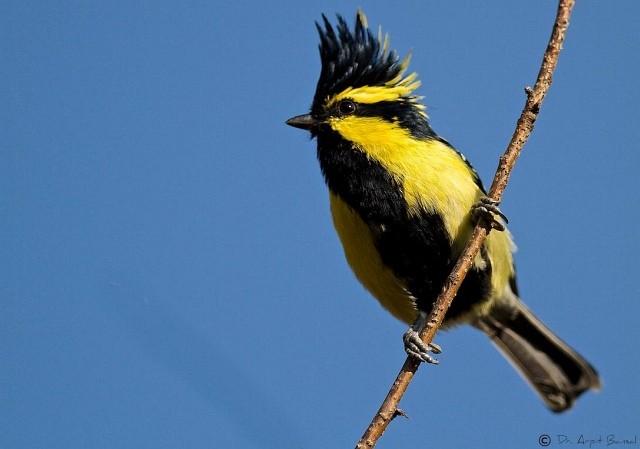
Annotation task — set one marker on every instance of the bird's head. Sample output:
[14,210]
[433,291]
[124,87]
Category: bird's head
[362,83]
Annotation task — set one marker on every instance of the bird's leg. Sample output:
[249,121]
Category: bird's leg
[487,209]
[413,344]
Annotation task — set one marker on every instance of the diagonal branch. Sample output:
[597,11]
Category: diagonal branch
[389,408]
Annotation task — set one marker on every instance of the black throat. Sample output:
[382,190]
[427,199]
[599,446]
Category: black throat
[360,181]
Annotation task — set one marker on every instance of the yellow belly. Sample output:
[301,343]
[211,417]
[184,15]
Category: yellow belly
[363,257]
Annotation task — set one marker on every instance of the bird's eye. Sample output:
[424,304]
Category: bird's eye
[346,107]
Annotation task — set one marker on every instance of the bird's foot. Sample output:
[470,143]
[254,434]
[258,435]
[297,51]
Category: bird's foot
[419,350]
[487,209]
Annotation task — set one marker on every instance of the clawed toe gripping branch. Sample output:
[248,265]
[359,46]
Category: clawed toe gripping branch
[389,408]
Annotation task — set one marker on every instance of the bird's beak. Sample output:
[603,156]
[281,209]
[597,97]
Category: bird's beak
[305,121]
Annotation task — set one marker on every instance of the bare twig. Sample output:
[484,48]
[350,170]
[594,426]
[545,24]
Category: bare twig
[389,408]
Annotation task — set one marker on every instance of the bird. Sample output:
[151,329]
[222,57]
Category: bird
[404,203]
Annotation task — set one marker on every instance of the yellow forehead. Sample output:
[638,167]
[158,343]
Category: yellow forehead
[374,94]
[391,91]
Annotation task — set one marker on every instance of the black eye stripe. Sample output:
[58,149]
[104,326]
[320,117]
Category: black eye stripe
[402,113]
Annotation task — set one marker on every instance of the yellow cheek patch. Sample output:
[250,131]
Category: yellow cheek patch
[379,138]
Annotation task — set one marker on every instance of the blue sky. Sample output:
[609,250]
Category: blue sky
[169,272]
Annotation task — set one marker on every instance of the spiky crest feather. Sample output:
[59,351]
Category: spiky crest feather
[358,59]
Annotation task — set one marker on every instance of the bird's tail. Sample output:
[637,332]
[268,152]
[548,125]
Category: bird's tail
[556,372]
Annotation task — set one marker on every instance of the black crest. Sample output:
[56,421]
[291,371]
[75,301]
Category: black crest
[353,59]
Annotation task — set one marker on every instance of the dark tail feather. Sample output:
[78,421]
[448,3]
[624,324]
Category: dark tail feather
[556,372]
